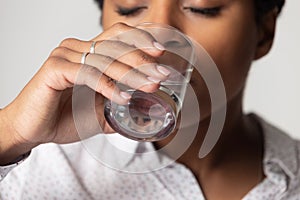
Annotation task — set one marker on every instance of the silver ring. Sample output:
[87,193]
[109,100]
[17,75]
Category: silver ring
[83,57]
[92,49]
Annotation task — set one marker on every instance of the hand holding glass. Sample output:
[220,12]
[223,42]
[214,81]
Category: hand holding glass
[153,116]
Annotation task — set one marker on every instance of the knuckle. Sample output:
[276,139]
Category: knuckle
[135,71]
[106,84]
[119,28]
[53,64]
[120,25]
[66,42]
[105,43]
[58,51]
[109,83]
[116,44]
[52,61]
[144,58]
[138,58]
[144,34]
[90,70]
[107,60]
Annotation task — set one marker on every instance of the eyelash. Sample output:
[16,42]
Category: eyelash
[208,12]
[129,11]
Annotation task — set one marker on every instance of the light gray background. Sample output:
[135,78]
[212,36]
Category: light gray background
[30,29]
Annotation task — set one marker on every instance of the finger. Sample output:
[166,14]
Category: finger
[76,45]
[123,73]
[134,57]
[85,46]
[66,53]
[111,68]
[114,49]
[62,74]
[99,82]
[124,53]
[132,36]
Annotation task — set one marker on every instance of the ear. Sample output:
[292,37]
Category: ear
[266,32]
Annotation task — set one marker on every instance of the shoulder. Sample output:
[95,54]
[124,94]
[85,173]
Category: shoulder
[282,158]
[280,145]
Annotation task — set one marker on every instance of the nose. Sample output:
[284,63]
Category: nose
[164,12]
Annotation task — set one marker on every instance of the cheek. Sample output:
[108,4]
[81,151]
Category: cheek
[232,48]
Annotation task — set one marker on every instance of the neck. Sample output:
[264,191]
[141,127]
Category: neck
[239,147]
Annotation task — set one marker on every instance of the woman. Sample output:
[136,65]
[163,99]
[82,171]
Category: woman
[245,163]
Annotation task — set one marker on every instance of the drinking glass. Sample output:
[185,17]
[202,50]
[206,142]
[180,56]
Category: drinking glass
[154,116]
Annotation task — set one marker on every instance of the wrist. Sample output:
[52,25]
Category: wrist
[10,147]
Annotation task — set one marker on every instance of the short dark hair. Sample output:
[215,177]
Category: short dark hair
[262,6]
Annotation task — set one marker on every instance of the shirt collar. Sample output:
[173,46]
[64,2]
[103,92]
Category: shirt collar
[122,154]
[280,150]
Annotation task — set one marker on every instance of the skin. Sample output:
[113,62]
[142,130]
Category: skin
[42,112]
[228,174]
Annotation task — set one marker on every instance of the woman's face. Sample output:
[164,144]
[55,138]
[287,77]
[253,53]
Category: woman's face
[225,28]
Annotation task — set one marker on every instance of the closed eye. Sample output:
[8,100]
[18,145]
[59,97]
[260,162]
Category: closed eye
[208,12]
[122,11]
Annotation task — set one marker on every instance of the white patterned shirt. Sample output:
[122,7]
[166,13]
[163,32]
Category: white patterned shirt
[73,171]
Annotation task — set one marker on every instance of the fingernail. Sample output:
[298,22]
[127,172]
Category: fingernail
[125,95]
[154,80]
[163,70]
[159,46]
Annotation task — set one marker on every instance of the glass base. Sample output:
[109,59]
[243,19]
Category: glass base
[147,116]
